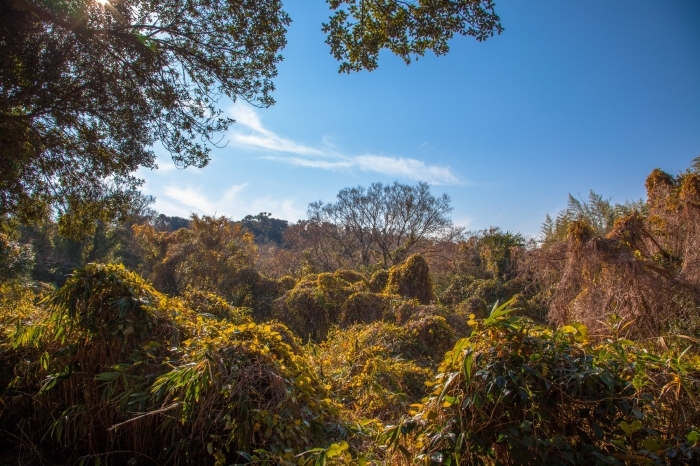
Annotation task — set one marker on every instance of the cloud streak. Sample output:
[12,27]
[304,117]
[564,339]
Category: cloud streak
[185,201]
[256,136]
[192,200]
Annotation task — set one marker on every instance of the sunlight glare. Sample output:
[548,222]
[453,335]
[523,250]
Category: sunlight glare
[102,2]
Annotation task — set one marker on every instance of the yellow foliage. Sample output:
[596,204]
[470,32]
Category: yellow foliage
[378,370]
[315,303]
[411,279]
[115,370]
[379,280]
[365,308]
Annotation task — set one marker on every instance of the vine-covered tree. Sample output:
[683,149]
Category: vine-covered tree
[209,255]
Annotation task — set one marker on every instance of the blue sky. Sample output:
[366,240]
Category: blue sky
[573,96]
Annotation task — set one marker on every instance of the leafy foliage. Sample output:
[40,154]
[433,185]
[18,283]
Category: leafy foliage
[109,370]
[88,88]
[599,213]
[376,369]
[517,393]
[264,227]
[314,304]
[411,279]
[116,371]
[16,260]
[209,255]
[360,29]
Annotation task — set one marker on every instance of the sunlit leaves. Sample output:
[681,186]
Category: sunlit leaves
[359,29]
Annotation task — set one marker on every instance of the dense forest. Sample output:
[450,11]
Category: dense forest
[373,332]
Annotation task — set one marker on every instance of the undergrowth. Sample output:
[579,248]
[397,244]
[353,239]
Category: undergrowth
[107,370]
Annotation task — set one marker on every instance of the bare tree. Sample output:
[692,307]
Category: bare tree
[385,222]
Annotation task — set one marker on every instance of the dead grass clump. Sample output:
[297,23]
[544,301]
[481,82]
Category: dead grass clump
[412,280]
[603,276]
[116,372]
[674,221]
[690,196]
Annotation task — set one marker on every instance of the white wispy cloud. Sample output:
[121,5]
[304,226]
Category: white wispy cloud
[191,198]
[408,168]
[232,203]
[262,138]
[464,222]
[340,164]
[256,136]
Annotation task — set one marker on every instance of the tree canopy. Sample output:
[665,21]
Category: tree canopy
[388,221]
[360,29]
[88,87]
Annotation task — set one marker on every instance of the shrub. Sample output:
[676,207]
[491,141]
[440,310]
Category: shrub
[286,283]
[117,372]
[215,306]
[378,370]
[350,276]
[517,393]
[411,279]
[379,280]
[364,308]
[314,304]
[433,333]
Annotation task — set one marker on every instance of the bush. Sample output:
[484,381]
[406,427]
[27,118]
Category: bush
[379,280]
[286,283]
[314,304]
[350,276]
[364,308]
[116,372]
[517,393]
[411,279]
[433,333]
[16,260]
[377,370]
[214,306]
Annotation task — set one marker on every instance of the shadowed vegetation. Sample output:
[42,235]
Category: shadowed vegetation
[225,359]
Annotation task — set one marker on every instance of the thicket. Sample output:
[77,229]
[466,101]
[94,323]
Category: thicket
[210,359]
